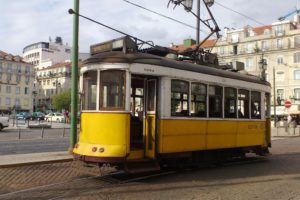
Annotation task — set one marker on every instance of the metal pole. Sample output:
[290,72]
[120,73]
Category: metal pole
[74,92]
[274,96]
[198,23]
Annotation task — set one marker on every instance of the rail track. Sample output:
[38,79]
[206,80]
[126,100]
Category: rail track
[91,185]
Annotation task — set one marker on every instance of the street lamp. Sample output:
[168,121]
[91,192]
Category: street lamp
[188,5]
[209,3]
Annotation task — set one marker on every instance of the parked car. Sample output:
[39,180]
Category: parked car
[36,116]
[22,115]
[4,122]
[55,117]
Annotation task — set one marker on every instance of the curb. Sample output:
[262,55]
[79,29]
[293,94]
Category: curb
[18,160]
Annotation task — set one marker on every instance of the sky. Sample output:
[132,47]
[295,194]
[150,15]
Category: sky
[26,22]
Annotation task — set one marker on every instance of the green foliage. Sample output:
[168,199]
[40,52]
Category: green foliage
[62,100]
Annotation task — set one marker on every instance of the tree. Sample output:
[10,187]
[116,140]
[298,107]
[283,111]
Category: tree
[62,100]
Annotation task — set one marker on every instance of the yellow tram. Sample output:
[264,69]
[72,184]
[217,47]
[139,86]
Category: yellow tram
[139,107]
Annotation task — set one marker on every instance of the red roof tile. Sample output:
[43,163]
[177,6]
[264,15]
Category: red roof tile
[206,44]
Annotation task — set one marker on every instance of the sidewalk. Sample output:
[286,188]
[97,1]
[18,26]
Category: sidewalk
[34,158]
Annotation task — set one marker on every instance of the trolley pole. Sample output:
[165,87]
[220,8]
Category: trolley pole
[274,96]
[74,88]
[198,23]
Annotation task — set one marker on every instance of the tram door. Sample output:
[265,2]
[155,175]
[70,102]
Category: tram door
[150,118]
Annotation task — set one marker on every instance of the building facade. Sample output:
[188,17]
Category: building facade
[51,81]
[45,54]
[277,44]
[16,83]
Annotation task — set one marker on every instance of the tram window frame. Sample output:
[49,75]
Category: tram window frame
[90,82]
[255,99]
[230,101]
[267,105]
[198,100]
[115,84]
[180,96]
[215,99]
[243,104]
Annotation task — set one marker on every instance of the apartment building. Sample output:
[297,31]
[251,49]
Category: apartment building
[45,54]
[278,44]
[51,81]
[16,83]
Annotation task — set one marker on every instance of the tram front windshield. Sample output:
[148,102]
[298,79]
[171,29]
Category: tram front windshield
[111,91]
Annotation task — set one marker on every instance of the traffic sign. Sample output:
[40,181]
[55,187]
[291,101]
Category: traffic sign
[287,104]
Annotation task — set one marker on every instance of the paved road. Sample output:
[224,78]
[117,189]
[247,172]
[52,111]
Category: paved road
[34,146]
[275,177]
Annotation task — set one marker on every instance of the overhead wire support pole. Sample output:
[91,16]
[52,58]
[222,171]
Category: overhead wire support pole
[74,88]
[274,96]
[198,23]
[106,26]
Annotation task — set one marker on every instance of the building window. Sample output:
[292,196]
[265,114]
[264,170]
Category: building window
[8,89]
[18,78]
[243,104]
[249,48]
[280,94]
[198,100]
[248,64]
[264,45]
[297,41]
[215,101]
[26,91]
[279,76]
[221,51]
[7,101]
[297,57]
[297,75]
[9,67]
[280,60]
[297,93]
[27,70]
[235,38]
[230,103]
[9,77]
[179,98]
[17,102]
[18,90]
[255,105]
[18,70]
[279,43]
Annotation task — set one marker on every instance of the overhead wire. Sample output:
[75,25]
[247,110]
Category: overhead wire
[165,16]
[237,12]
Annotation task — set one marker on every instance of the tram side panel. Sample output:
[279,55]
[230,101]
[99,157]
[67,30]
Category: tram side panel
[185,135]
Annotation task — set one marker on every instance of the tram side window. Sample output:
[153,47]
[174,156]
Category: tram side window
[198,100]
[243,104]
[179,98]
[112,89]
[255,105]
[230,103]
[90,90]
[215,101]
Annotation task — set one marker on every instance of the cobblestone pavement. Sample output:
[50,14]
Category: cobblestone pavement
[276,177]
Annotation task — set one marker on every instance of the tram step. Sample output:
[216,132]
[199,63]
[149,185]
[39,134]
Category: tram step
[143,166]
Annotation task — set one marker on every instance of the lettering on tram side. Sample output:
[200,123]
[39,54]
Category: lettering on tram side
[148,70]
[252,127]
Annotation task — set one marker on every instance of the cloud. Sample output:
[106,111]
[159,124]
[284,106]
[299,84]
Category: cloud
[26,22]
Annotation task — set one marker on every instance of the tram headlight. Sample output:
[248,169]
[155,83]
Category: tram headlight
[101,150]
[94,149]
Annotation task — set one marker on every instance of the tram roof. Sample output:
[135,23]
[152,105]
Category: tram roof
[144,58]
